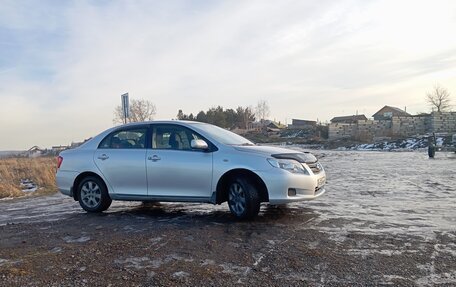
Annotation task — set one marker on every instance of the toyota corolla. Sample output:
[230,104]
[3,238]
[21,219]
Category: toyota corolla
[183,161]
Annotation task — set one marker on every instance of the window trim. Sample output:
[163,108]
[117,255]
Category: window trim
[125,129]
[211,146]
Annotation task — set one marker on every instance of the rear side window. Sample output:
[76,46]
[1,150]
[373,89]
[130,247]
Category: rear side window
[125,139]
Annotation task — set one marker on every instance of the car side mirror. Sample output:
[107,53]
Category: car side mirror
[199,144]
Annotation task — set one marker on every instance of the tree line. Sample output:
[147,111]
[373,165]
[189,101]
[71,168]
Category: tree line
[225,118]
[241,117]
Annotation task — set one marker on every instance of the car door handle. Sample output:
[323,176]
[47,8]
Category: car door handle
[154,158]
[103,157]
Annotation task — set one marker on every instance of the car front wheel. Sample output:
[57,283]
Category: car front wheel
[93,195]
[243,198]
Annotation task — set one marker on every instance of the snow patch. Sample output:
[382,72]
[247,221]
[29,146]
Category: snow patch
[409,144]
[3,261]
[180,274]
[207,262]
[28,185]
[230,268]
[155,240]
[137,262]
[56,250]
[146,262]
[82,239]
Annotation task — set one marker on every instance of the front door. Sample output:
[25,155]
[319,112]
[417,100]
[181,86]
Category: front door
[174,169]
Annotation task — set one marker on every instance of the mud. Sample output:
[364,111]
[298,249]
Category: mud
[387,219]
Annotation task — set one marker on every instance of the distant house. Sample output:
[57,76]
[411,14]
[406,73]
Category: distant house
[302,124]
[388,112]
[275,125]
[348,119]
[34,151]
[59,148]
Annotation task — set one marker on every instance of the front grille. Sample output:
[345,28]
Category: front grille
[315,167]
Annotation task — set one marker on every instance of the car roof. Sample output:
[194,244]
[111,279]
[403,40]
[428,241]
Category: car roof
[161,122]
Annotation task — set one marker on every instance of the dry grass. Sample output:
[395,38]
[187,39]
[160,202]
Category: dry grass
[40,170]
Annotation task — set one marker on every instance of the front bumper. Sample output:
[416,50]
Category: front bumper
[303,187]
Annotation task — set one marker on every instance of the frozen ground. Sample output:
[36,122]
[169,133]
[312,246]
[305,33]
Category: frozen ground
[386,219]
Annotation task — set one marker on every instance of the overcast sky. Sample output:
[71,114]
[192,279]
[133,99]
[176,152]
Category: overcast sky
[64,64]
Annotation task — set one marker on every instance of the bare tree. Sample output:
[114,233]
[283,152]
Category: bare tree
[262,110]
[439,98]
[140,110]
[244,116]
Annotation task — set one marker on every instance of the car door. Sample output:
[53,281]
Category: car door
[174,169]
[121,158]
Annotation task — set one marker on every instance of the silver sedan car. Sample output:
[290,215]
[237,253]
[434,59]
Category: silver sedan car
[186,162]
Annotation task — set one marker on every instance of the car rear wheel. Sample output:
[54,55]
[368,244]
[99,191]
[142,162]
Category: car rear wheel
[243,198]
[93,195]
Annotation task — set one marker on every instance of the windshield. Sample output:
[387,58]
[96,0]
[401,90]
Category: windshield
[223,136]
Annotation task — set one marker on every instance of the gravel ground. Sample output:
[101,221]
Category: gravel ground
[386,219]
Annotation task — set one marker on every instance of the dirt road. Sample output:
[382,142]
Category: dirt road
[387,219]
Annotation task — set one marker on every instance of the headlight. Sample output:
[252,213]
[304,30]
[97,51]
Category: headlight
[288,164]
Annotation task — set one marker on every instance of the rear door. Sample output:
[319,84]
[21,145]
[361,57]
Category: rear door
[174,169]
[121,158]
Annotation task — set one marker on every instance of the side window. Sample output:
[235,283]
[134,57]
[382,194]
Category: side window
[125,139]
[172,137]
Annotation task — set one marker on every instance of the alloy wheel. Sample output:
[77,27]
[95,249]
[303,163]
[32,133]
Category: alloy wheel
[91,194]
[236,198]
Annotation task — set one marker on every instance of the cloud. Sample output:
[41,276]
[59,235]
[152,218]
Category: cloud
[66,64]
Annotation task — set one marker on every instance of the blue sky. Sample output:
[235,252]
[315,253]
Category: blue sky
[64,64]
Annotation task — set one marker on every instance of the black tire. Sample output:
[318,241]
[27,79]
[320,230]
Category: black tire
[93,195]
[243,198]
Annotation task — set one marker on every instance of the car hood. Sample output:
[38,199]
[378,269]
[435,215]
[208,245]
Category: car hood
[280,153]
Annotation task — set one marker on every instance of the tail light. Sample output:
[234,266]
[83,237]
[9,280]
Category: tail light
[59,161]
